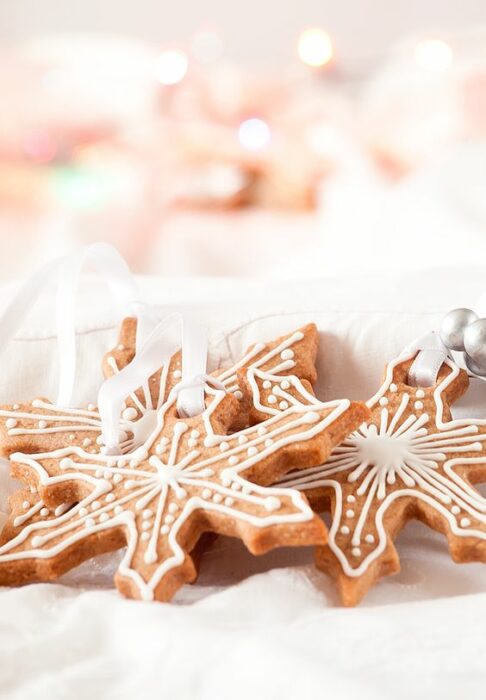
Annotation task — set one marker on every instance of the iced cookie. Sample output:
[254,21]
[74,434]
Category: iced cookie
[411,460]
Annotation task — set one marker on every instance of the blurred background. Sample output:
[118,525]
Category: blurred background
[224,139]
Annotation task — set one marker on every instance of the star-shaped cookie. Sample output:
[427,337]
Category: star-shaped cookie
[177,478]
[411,460]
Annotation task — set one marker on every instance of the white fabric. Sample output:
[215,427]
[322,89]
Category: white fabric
[268,626]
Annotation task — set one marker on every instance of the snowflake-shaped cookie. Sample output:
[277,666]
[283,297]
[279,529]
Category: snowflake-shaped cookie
[411,460]
[176,479]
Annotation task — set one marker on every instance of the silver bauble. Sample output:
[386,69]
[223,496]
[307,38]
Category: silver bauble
[453,326]
[474,367]
[475,341]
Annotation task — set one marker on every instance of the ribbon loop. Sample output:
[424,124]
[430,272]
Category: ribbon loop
[157,349]
[66,272]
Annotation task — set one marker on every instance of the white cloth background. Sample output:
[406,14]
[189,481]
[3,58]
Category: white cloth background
[271,626]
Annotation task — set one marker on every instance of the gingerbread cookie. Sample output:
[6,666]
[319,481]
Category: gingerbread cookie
[176,479]
[411,460]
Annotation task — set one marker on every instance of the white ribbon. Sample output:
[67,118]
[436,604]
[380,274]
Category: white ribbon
[426,366]
[157,350]
[66,271]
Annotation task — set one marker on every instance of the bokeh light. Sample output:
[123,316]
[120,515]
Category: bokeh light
[315,48]
[254,134]
[433,54]
[171,66]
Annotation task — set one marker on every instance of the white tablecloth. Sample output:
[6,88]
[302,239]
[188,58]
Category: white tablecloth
[265,627]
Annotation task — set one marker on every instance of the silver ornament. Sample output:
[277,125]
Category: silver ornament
[453,326]
[474,367]
[475,341]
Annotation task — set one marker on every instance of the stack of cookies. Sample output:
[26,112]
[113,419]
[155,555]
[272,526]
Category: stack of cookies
[259,463]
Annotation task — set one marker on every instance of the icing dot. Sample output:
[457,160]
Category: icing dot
[33,489]
[134,463]
[169,519]
[86,442]
[173,507]
[350,499]
[147,513]
[251,451]
[283,405]
[16,406]
[66,463]
[42,424]
[285,384]
[345,530]
[217,498]
[267,384]
[72,436]
[287,354]
[229,501]
[99,440]
[239,394]
[122,462]
[91,407]
[117,478]
[191,442]
[130,413]
[465,522]
[268,442]
[26,505]
[226,478]
[246,489]
[356,551]
[44,512]
[177,374]
[145,536]
[118,510]
[104,517]
[110,498]
[418,405]
[233,460]
[393,388]
[261,430]
[83,511]
[121,347]
[10,422]
[107,474]
[455,510]
[383,401]
[159,449]
[206,493]
[99,473]
[370,539]
[195,434]
[95,505]
[420,393]
[272,503]
[89,522]
[242,439]
[350,513]
[146,525]
[224,446]
[164,529]
[236,486]
[272,399]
